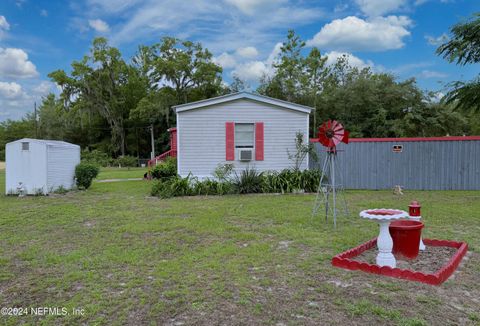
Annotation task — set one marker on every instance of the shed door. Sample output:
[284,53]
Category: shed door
[61,164]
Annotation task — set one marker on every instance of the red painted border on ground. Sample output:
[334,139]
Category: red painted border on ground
[343,261]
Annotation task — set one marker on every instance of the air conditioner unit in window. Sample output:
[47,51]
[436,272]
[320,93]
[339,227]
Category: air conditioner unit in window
[245,154]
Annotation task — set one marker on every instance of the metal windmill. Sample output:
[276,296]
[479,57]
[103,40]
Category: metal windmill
[330,134]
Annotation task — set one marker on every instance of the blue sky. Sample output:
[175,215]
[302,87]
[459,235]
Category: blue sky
[397,36]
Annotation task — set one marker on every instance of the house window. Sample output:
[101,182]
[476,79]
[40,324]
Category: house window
[25,146]
[244,135]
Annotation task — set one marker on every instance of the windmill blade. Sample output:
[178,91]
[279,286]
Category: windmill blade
[331,133]
[337,140]
[338,127]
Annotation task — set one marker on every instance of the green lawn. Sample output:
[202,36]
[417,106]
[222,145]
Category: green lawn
[121,173]
[126,258]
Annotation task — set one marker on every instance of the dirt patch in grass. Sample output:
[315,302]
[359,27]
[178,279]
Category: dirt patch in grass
[2,165]
[430,260]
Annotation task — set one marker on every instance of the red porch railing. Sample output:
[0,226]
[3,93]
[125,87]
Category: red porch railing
[162,157]
[172,152]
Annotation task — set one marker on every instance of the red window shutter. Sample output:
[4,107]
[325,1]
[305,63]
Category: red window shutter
[229,141]
[259,141]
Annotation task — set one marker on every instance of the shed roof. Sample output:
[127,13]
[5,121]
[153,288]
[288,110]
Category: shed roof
[242,95]
[45,141]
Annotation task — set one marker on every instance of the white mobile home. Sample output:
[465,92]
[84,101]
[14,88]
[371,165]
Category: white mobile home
[40,166]
[248,130]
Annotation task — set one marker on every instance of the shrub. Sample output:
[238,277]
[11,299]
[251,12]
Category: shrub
[291,180]
[311,179]
[126,161]
[302,148]
[172,187]
[165,170]
[212,187]
[84,174]
[189,186]
[206,187]
[96,157]
[249,181]
[225,188]
[60,190]
[223,172]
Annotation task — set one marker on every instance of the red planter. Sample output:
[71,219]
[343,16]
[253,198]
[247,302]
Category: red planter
[406,238]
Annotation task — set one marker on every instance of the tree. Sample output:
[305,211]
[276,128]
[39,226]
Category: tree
[464,48]
[315,74]
[238,85]
[51,118]
[186,67]
[289,67]
[302,149]
[11,130]
[102,82]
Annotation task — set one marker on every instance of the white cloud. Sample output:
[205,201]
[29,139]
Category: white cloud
[436,41]
[249,7]
[3,23]
[432,74]
[254,70]
[45,87]
[352,60]
[4,26]
[277,49]
[408,67]
[355,34]
[340,7]
[421,2]
[44,13]
[247,52]
[20,3]
[17,99]
[437,97]
[112,6]
[14,63]
[251,71]
[225,60]
[99,25]
[13,101]
[11,91]
[219,26]
[379,7]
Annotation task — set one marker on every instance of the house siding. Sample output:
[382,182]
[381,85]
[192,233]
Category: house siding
[202,141]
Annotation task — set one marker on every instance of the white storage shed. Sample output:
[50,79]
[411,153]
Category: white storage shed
[244,129]
[41,166]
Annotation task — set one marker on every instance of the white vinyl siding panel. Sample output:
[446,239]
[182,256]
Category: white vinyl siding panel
[61,167]
[201,136]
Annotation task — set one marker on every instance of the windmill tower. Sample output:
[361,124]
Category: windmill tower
[330,134]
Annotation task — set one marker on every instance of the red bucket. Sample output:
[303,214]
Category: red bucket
[406,238]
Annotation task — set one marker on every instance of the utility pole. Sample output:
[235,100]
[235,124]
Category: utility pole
[152,155]
[35,114]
